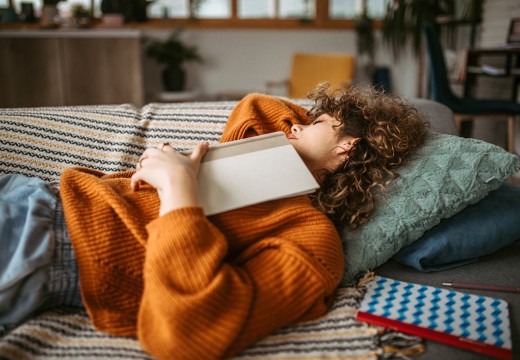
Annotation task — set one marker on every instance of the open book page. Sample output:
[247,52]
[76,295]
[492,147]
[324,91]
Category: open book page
[250,171]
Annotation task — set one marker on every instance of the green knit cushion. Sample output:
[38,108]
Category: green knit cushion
[444,176]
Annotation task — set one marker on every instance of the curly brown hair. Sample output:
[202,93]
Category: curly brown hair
[388,128]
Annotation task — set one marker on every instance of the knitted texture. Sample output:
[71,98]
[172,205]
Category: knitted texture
[198,288]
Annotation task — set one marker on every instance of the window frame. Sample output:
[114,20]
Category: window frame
[321,21]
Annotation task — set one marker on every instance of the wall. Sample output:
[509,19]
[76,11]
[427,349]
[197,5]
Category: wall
[242,60]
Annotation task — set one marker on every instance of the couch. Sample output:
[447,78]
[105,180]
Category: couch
[42,141]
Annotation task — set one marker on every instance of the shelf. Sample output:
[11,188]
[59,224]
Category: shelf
[450,20]
[486,70]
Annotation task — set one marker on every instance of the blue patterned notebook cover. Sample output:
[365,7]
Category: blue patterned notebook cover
[474,317]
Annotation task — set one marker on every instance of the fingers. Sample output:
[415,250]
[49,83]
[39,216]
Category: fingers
[146,154]
[135,181]
[199,151]
[165,159]
[140,162]
[165,147]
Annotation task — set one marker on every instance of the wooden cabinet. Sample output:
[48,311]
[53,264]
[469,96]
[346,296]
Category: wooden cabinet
[75,68]
[29,69]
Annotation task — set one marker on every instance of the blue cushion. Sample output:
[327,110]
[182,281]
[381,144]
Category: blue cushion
[480,229]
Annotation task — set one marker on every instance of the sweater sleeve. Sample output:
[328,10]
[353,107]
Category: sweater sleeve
[199,304]
[258,114]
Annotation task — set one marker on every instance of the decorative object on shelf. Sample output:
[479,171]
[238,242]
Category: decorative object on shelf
[173,52]
[27,12]
[80,16]
[513,36]
[7,15]
[50,14]
[113,13]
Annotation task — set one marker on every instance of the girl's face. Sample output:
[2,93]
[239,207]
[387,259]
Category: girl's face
[319,145]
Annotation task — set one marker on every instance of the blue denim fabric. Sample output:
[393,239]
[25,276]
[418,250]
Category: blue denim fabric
[27,242]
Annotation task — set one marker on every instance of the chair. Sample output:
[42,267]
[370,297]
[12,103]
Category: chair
[308,70]
[464,108]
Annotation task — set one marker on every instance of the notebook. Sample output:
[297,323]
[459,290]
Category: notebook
[250,171]
[472,322]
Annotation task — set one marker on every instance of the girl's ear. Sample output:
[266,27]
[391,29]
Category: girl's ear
[346,145]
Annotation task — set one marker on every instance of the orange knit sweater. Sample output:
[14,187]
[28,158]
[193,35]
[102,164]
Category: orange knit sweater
[192,287]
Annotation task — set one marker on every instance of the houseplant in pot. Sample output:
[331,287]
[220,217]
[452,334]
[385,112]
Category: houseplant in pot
[365,41]
[402,25]
[172,53]
[49,13]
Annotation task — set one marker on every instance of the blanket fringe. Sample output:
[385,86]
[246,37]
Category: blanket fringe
[365,279]
[395,345]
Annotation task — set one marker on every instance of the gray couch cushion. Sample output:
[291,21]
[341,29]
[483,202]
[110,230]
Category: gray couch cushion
[438,115]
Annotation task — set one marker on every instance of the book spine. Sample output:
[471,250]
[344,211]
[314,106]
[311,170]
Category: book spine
[448,339]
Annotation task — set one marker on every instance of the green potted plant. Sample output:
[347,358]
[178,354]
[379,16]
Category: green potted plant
[365,41]
[172,53]
[80,15]
[403,22]
[404,18]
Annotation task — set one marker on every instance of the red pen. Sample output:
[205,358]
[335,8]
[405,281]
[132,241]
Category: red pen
[461,285]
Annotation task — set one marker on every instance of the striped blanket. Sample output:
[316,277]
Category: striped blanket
[43,141]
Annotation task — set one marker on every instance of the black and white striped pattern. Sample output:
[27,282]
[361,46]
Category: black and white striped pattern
[43,141]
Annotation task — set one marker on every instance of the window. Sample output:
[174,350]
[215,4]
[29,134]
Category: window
[349,9]
[343,9]
[63,6]
[202,9]
[242,13]
[255,9]
[223,9]
[169,9]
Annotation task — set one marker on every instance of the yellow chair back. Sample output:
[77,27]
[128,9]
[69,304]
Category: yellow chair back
[308,70]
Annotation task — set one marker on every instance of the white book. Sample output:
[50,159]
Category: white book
[245,172]
[491,70]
